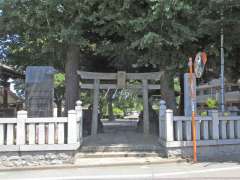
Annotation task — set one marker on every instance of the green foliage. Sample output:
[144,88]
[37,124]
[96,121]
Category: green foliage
[211,103]
[119,113]
[177,85]
[59,87]
[59,79]
[226,113]
[124,101]
[204,113]
[158,32]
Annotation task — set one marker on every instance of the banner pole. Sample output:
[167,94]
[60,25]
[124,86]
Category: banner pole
[193,98]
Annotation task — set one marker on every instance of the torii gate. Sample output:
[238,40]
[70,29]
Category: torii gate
[121,78]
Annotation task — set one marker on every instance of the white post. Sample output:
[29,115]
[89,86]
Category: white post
[51,133]
[95,107]
[21,118]
[162,115]
[78,109]
[198,130]
[31,134]
[72,127]
[188,130]
[215,124]
[237,129]
[60,133]
[41,133]
[223,129]
[205,130]
[145,107]
[169,125]
[1,134]
[10,137]
[230,130]
[178,130]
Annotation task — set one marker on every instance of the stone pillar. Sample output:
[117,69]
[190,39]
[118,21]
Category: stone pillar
[215,125]
[21,118]
[187,94]
[72,127]
[169,125]
[78,109]
[95,107]
[145,107]
[162,116]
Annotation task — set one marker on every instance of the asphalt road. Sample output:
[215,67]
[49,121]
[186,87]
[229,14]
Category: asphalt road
[171,171]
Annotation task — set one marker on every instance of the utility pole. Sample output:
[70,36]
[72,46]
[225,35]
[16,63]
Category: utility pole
[222,66]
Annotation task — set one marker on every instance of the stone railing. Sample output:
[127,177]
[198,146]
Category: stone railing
[41,134]
[215,129]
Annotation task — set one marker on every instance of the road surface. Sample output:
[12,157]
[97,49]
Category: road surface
[211,170]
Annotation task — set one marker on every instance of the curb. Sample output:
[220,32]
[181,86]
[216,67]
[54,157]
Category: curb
[132,163]
[71,166]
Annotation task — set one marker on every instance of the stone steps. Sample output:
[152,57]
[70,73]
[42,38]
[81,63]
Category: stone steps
[122,148]
[120,151]
[117,154]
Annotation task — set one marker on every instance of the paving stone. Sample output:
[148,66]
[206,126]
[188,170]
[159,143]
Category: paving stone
[50,156]
[3,158]
[18,163]
[63,156]
[13,158]
[56,161]
[39,157]
[27,157]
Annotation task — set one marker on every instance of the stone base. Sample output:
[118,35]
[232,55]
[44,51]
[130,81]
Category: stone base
[24,159]
[207,153]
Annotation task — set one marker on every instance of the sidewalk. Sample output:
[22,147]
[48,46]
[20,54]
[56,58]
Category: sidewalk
[124,161]
[101,162]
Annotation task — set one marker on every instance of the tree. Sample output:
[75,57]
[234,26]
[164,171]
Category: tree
[50,26]
[149,33]
[153,34]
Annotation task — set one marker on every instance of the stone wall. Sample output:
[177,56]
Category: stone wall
[15,159]
[212,152]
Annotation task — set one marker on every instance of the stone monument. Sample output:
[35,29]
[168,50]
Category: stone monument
[39,91]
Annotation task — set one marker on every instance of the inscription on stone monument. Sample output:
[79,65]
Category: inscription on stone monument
[39,91]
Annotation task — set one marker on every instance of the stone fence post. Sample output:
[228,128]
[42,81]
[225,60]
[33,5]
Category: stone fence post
[169,125]
[78,109]
[20,135]
[162,115]
[72,127]
[215,124]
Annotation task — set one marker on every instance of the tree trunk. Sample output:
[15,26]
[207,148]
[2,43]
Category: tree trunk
[59,109]
[181,101]
[71,77]
[167,90]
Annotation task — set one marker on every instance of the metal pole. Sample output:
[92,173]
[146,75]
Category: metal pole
[193,100]
[222,66]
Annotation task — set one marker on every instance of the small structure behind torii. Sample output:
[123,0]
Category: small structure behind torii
[7,72]
[121,79]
